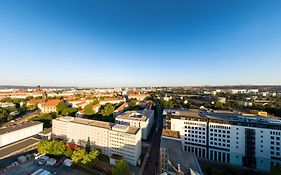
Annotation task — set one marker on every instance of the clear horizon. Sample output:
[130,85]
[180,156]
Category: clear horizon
[138,44]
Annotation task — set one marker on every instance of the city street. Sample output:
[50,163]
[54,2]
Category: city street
[152,164]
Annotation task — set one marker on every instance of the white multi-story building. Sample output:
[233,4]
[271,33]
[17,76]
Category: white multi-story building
[143,119]
[15,133]
[111,139]
[250,141]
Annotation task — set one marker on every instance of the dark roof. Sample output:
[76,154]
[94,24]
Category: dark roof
[17,146]
[46,131]
[177,156]
[19,126]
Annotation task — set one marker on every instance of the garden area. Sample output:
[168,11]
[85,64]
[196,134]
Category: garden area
[85,158]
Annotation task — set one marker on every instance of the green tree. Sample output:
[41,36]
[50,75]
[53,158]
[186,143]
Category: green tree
[3,114]
[88,110]
[81,156]
[78,155]
[57,148]
[44,146]
[88,145]
[68,152]
[61,106]
[54,147]
[93,156]
[107,110]
[121,167]
[69,111]
[132,103]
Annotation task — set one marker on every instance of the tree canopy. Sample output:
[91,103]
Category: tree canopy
[54,147]
[61,106]
[88,109]
[107,110]
[81,156]
[121,167]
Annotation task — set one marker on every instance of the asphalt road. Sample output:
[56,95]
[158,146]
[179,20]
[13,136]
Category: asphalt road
[153,163]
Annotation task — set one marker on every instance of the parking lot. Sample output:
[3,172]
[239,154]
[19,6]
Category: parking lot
[31,166]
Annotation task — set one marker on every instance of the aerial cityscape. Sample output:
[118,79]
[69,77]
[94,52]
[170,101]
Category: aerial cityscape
[140,87]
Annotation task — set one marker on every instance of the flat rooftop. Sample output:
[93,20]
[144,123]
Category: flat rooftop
[177,156]
[223,116]
[170,133]
[183,112]
[125,129]
[46,131]
[18,127]
[100,124]
[140,115]
[16,147]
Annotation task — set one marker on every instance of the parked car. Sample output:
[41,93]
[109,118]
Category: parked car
[59,162]
[42,162]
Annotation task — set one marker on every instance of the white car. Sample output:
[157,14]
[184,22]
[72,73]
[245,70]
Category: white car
[42,162]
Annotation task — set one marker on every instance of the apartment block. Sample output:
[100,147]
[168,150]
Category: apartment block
[223,136]
[111,139]
[143,119]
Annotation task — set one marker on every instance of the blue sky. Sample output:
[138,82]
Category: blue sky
[140,43]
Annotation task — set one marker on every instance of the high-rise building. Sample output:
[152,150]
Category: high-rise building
[143,119]
[250,141]
[112,139]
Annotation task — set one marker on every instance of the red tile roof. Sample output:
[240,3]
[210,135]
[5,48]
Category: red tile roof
[52,102]
[121,107]
[96,106]
[112,99]
[34,101]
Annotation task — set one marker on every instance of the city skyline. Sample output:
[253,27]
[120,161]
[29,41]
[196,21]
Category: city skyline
[118,44]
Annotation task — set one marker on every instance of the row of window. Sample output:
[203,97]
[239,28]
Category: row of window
[199,152]
[219,131]
[220,140]
[220,135]
[195,127]
[195,140]
[218,126]
[194,123]
[219,156]
[277,138]
[220,144]
[275,133]
[195,132]
[274,143]
[196,136]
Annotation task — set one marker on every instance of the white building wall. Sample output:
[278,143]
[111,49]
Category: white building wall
[127,145]
[108,141]
[20,134]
